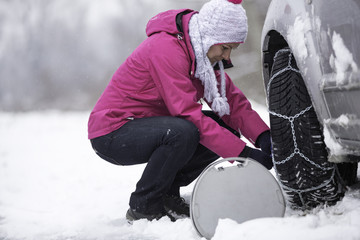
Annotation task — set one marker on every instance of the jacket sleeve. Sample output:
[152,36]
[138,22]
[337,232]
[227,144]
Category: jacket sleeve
[242,117]
[171,76]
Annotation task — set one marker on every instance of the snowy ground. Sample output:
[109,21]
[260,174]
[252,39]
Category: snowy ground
[53,186]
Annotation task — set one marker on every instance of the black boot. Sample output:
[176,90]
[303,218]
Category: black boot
[176,206]
[133,215]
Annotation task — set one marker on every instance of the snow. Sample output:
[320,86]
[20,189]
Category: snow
[335,148]
[53,186]
[343,120]
[297,37]
[343,59]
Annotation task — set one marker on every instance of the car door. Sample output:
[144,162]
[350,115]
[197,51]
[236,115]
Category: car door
[338,26]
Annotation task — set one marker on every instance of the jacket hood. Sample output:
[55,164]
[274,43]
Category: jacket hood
[164,22]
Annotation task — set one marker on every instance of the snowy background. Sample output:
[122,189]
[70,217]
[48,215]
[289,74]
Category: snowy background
[54,187]
[56,58]
[62,53]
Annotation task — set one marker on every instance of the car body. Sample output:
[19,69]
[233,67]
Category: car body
[324,37]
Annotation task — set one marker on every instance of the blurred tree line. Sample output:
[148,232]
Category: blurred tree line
[61,54]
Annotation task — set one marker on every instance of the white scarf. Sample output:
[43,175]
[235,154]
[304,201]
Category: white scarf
[205,71]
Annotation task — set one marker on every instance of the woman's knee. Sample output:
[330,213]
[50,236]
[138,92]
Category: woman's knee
[185,130]
[101,145]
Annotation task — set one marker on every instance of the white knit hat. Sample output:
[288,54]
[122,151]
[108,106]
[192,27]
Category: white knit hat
[218,21]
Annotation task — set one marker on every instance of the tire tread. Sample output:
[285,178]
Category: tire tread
[288,96]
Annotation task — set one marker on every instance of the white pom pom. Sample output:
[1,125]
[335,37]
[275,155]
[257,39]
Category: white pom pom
[221,106]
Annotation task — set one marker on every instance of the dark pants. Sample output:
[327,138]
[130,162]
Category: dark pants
[170,147]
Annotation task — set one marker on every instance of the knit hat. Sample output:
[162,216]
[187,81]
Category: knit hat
[218,22]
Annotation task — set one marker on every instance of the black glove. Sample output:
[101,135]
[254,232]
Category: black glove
[264,142]
[259,156]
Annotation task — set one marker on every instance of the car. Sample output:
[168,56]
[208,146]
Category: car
[311,73]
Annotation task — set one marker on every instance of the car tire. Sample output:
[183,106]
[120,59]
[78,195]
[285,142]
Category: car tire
[299,152]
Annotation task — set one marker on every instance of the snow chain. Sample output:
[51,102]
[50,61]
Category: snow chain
[291,119]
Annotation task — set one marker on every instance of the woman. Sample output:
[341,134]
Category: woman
[150,111]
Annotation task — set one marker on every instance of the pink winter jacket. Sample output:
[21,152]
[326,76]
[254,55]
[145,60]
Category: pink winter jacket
[157,79]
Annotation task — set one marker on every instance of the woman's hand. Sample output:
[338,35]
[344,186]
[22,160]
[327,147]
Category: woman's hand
[257,155]
[264,142]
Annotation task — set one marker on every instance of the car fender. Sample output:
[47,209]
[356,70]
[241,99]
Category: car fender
[293,21]
[294,24]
